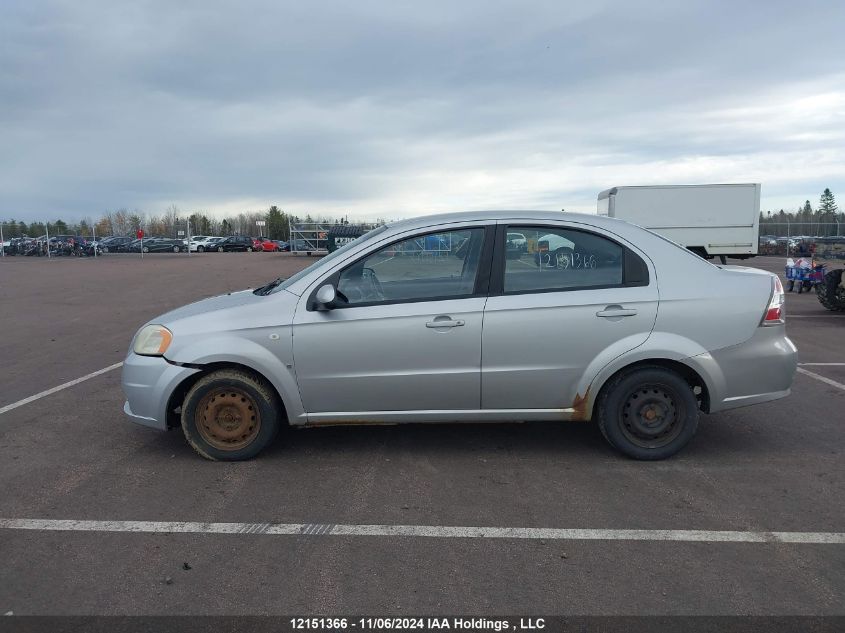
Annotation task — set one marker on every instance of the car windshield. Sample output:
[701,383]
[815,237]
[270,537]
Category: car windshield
[282,283]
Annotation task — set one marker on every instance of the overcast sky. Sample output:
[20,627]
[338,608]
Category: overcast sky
[390,109]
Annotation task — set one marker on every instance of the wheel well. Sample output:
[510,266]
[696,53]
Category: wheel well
[686,372]
[174,403]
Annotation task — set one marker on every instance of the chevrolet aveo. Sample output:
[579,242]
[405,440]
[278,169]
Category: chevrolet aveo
[436,320]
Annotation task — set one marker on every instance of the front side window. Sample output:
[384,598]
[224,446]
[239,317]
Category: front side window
[547,258]
[431,266]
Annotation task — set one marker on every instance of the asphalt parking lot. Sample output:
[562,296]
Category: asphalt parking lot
[71,455]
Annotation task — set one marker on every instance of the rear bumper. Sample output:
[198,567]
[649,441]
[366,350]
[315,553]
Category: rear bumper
[759,370]
[148,382]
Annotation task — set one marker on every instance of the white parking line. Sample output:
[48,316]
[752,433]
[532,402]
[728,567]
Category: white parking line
[823,379]
[49,392]
[822,364]
[424,531]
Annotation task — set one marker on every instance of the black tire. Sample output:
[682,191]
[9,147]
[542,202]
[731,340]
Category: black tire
[226,431]
[249,249]
[829,293]
[176,249]
[627,401]
[791,285]
[200,249]
[219,249]
[146,249]
[105,249]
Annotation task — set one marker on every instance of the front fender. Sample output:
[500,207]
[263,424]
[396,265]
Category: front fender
[276,366]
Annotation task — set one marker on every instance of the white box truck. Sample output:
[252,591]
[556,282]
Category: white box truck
[710,220]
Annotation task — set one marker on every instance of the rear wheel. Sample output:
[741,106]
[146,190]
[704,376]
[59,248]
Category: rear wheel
[648,413]
[249,249]
[230,415]
[200,249]
[176,249]
[219,249]
[830,293]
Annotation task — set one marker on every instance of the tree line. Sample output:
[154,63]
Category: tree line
[168,224]
[825,220]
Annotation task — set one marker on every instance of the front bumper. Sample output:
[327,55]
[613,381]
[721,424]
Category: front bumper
[148,382]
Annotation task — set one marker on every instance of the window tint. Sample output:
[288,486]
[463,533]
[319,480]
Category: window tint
[431,266]
[559,259]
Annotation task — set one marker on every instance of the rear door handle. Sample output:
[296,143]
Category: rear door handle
[445,323]
[616,311]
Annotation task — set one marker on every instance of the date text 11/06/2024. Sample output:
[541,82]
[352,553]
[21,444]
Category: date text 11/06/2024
[419,624]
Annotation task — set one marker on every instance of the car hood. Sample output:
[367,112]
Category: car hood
[232,311]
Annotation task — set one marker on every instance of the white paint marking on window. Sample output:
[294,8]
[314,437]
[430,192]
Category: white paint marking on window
[820,378]
[50,392]
[423,531]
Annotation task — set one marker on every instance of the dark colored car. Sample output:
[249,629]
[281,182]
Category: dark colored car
[282,246]
[115,244]
[164,245]
[236,243]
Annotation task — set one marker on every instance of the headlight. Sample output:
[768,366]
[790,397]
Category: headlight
[152,340]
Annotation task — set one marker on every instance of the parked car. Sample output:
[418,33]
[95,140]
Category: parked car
[640,340]
[115,244]
[235,243]
[194,241]
[199,243]
[515,245]
[210,244]
[282,246]
[267,245]
[163,245]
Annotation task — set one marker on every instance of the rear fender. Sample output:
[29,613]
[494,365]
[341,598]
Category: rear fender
[659,346]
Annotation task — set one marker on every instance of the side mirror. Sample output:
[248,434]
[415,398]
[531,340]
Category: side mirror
[325,297]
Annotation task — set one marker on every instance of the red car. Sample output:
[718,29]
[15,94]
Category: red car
[266,245]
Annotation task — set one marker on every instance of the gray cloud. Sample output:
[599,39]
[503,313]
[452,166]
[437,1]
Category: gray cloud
[397,108]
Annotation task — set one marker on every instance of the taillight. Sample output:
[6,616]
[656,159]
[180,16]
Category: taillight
[774,312]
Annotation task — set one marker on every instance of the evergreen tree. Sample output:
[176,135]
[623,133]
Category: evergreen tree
[827,204]
[278,224]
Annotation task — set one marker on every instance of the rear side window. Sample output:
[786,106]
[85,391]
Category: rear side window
[547,259]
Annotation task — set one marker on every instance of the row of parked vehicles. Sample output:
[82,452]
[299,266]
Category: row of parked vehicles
[77,245]
[196,244]
[55,246]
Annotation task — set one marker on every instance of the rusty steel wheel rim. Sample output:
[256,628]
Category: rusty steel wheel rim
[228,419]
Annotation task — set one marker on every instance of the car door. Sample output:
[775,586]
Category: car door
[404,341]
[576,298]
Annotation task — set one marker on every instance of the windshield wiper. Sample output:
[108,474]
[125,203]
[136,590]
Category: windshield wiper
[266,290]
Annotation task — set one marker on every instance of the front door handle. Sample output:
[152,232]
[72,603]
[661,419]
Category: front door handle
[444,322]
[616,311]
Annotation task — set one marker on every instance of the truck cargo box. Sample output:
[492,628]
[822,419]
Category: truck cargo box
[707,219]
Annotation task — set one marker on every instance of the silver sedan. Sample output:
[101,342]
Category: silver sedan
[437,319]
